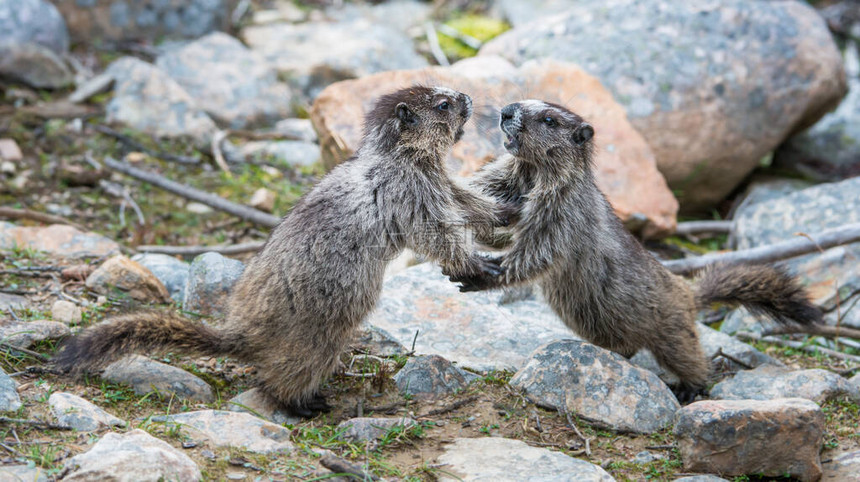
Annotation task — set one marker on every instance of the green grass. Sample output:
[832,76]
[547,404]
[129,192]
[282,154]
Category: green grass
[476,26]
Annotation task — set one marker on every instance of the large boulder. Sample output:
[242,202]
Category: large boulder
[626,169]
[713,86]
[33,21]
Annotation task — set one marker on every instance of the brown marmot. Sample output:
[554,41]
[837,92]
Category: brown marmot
[320,273]
[599,280]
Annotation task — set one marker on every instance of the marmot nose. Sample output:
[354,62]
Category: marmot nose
[508,112]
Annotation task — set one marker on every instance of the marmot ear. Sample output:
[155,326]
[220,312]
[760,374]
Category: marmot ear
[405,114]
[582,134]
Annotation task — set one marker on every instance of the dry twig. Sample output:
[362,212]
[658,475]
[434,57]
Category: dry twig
[34,423]
[435,49]
[137,146]
[451,407]
[341,466]
[798,345]
[12,213]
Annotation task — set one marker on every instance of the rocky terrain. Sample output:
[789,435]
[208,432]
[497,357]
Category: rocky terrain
[147,148]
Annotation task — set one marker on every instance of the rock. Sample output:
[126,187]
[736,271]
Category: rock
[712,87]
[764,188]
[66,312]
[300,129]
[257,403]
[129,277]
[431,376]
[172,272]
[768,383]
[198,208]
[135,456]
[830,149]
[855,380]
[33,22]
[232,429]
[56,240]
[488,335]
[239,89]
[81,415]
[145,375]
[284,153]
[9,399]
[521,12]
[149,20]
[712,341]
[473,459]
[25,334]
[23,473]
[376,341]
[625,166]
[315,54]
[148,100]
[842,468]
[34,65]
[737,437]
[701,478]
[15,302]
[597,385]
[9,150]
[210,280]
[363,429]
[646,457]
[263,199]
[409,13]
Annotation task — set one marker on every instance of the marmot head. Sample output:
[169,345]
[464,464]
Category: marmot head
[538,131]
[419,117]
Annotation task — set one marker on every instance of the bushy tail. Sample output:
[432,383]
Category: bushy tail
[140,331]
[762,289]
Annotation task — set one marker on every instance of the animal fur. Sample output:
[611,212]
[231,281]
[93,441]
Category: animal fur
[320,273]
[595,275]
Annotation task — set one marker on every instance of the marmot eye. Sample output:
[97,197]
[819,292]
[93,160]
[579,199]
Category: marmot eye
[549,121]
[443,106]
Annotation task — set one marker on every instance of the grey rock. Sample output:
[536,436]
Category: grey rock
[23,473]
[34,65]
[15,302]
[701,478]
[676,68]
[843,467]
[148,100]
[284,153]
[239,88]
[376,341]
[81,415]
[9,399]
[135,456]
[646,457]
[735,437]
[363,429]
[431,376]
[409,13]
[57,240]
[521,12]
[597,385]
[300,129]
[257,403]
[172,272]
[768,382]
[485,459]
[33,22]
[66,312]
[210,280]
[488,335]
[145,376]
[855,380]
[232,429]
[765,188]
[316,54]
[25,334]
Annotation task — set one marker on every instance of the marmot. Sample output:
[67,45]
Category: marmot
[320,273]
[596,276]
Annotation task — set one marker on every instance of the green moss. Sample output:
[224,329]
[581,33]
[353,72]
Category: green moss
[477,26]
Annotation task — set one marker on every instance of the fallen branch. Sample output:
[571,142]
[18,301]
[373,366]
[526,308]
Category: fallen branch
[209,199]
[699,227]
[451,407]
[466,39]
[579,434]
[195,250]
[774,252]
[137,146]
[34,354]
[818,330]
[798,345]
[34,423]
[435,49]
[341,466]
[218,154]
[12,213]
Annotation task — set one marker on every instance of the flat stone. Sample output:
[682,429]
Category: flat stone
[66,312]
[145,376]
[701,478]
[9,399]
[257,403]
[474,330]
[232,429]
[33,22]
[172,272]
[842,468]
[284,153]
[376,341]
[300,129]
[56,240]
[474,459]
[16,302]
[240,87]
[363,429]
[769,382]
[597,385]
[9,151]
[135,456]
[736,437]
[25,334]
[210,280]
[129,277]
[81,415]
[23,473]
[34,65]
[431,376]
[713,88]
[263,199]
[625,166]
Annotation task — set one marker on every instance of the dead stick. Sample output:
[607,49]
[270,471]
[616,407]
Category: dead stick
[774,252]
[209,199]
[698,227]
[819,330]
[451,407]
[800,346]
[195,250]
[34,423]
[12,213]
[137,146]
[341,466]
[34,354]
[572,425]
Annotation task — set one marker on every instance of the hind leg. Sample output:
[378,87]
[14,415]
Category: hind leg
[294,383]
[681,353]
